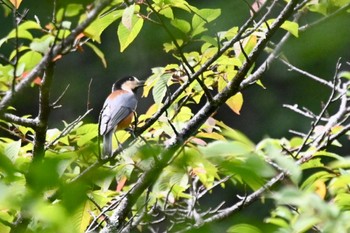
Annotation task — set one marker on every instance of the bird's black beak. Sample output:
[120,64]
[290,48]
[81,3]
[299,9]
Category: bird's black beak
[140,83]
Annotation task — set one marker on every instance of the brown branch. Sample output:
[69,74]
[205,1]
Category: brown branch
[43,114]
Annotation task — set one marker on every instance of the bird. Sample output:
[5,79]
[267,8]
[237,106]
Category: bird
[118,110]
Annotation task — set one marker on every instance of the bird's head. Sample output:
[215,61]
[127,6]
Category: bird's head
[129,83]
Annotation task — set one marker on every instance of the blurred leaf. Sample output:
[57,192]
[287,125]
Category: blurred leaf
[343,201]
[82,216]
[69,10]
[246,228]
[344,74]
[16,3]
[12,195]
[309,183]
[224,148]
[86,133]
[6,165]
[312,163]
[234,134]
[273,150]
[44,174]
[42,44]
[12,149]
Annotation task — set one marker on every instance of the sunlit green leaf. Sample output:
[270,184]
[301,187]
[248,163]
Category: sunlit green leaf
[182,25]
[343,200]
[127,35]
[30,59]
[95,29]
[82,216]
[160,88]
[291,27]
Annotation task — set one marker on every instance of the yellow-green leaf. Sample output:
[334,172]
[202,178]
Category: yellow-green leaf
[235,103]
[128,35]
[291,27]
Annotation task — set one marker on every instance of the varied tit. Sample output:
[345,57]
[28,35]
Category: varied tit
[118,110]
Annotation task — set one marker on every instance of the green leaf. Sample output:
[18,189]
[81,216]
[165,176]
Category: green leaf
[344,74]
[12,150]
[235,135]
[343,201]
[81,217]
[182,25]
[29,25]
[160,88]
[246,228]
[208,15]
[85,133]
[98,52]
[272,149]
[73,9]
[127,35]
[167,12]
[291,27]
[225,148]
[95,29]
[30,59]
[43,44]
[309,183]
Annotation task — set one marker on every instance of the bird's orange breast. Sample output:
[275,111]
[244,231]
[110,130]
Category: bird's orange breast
[125,122]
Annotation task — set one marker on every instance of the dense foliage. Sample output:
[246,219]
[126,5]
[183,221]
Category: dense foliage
[177,153]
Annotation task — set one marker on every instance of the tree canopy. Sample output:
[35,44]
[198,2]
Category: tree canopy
[182,166]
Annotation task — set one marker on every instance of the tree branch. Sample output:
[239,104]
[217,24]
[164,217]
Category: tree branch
[27,122]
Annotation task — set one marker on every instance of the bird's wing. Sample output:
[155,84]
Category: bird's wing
[115,110]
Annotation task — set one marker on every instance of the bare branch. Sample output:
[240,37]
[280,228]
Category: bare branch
[307,74]
[54,104]
[68,128]
[27,122]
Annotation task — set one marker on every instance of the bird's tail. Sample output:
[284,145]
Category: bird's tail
[107,145]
